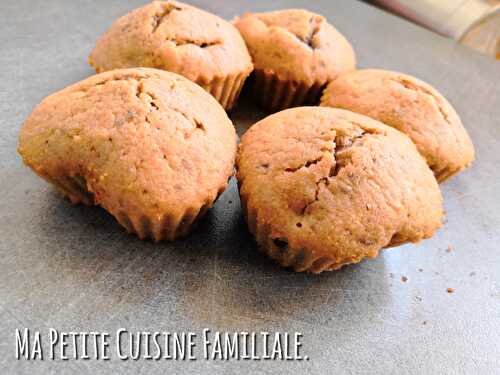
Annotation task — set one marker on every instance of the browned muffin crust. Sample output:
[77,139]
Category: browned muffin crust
[324,187]
[411,106]
[149,146]
[295,53]
[180,38]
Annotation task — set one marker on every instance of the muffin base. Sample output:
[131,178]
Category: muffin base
[297,259]
[274,94]
[167,227]
[225,90]
[164,227]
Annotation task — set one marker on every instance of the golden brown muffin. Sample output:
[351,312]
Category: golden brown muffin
[295,54]
[182,39]
[324,187]
[151,147]
[411,106]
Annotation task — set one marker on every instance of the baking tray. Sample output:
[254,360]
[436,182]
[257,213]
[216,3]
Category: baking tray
[75,269]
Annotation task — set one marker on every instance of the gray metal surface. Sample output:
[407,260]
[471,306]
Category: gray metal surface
[75,269]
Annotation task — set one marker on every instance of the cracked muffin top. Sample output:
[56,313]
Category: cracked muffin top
[323,187]
[176,37]
[296,45]
[411,106]
[140,142]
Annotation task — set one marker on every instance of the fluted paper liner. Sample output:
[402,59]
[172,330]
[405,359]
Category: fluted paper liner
[225,90]
[275,94]
[168,226]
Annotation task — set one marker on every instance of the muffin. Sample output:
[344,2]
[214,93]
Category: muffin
[324,187]
[151,147]
[411,106]
[295,54]
[182,39]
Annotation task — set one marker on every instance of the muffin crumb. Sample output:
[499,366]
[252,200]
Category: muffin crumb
[307,210]
[296,53]
[147,187]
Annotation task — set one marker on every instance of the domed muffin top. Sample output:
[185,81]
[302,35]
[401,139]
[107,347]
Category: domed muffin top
[296,45]
[176,37]
[328,185]
[142,141]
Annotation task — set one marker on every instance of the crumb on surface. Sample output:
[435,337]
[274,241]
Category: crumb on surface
[420,270]
[404,279]
[424,322]
[449,249]
[450,290]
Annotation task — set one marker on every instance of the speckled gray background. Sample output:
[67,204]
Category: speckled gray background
[74,268]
